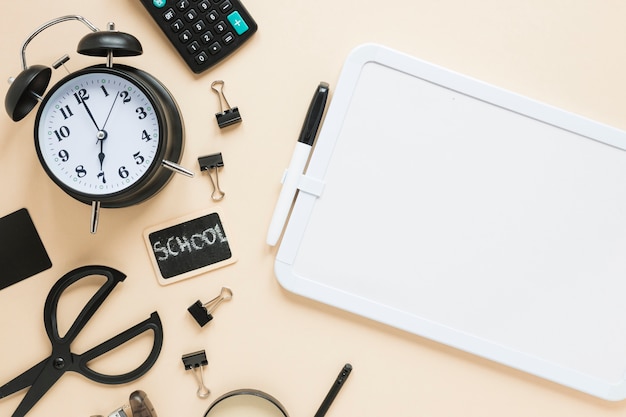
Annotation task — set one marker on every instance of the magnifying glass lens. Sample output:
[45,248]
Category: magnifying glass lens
[245,405]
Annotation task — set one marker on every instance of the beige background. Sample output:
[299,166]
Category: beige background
[567,53]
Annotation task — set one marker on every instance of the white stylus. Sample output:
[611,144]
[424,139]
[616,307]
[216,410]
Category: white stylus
[298,162]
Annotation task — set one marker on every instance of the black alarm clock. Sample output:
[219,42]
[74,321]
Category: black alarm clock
[109,135]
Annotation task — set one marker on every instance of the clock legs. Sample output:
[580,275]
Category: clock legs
[176,168]
[95,215]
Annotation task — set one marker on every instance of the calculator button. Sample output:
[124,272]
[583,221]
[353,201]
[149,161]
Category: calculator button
[226,6]
[177,26]
[215,48]
[228,38]
[169,15]
[199,26]
[201,58]
[204,5]
[193,47]
[185,36]
[220,27]
[206,37]
[191,15]
[238,23]
[159,3]
[212,16]
[183,5]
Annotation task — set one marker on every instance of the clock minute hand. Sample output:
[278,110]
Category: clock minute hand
[84,102]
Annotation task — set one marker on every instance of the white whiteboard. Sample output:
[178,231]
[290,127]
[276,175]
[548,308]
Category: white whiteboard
[469,215]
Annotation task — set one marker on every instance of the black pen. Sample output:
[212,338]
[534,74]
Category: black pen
[298,162]
[334,390]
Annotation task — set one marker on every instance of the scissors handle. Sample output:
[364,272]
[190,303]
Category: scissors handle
[61,344]
[153,323]
[113,277]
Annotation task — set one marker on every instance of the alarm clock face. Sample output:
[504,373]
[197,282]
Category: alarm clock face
[98,133]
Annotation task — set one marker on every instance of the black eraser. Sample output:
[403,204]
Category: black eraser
[22,253]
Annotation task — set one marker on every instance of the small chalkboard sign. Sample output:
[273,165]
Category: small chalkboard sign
[188,246]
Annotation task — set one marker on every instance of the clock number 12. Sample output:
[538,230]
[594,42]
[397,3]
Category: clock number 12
[81,96]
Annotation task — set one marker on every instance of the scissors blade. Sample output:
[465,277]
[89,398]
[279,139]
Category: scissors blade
[43,382]
[22,381]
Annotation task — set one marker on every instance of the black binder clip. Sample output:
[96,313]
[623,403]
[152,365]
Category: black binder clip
[195,361]
[229,115]
[212,163]
[202,313]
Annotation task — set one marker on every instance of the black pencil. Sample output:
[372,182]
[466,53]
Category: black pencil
[334,390]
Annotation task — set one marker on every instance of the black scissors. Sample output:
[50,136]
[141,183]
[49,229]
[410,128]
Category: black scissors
[42,376]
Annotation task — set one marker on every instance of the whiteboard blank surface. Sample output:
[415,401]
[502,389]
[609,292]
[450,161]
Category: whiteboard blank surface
[448,212]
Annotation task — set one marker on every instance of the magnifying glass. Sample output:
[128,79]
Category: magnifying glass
[246,402]
[255,403]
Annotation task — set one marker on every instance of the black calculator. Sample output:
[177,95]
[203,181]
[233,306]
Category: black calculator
[204,32]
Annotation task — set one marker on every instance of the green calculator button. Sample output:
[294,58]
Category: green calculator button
[159,3]
[238,23]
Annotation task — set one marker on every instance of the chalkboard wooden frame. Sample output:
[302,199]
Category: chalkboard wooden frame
[189,246]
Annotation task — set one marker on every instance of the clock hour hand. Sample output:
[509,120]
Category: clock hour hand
[101,158]
[102,135]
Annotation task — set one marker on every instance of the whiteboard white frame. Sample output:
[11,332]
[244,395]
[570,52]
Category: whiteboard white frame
[312,190]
